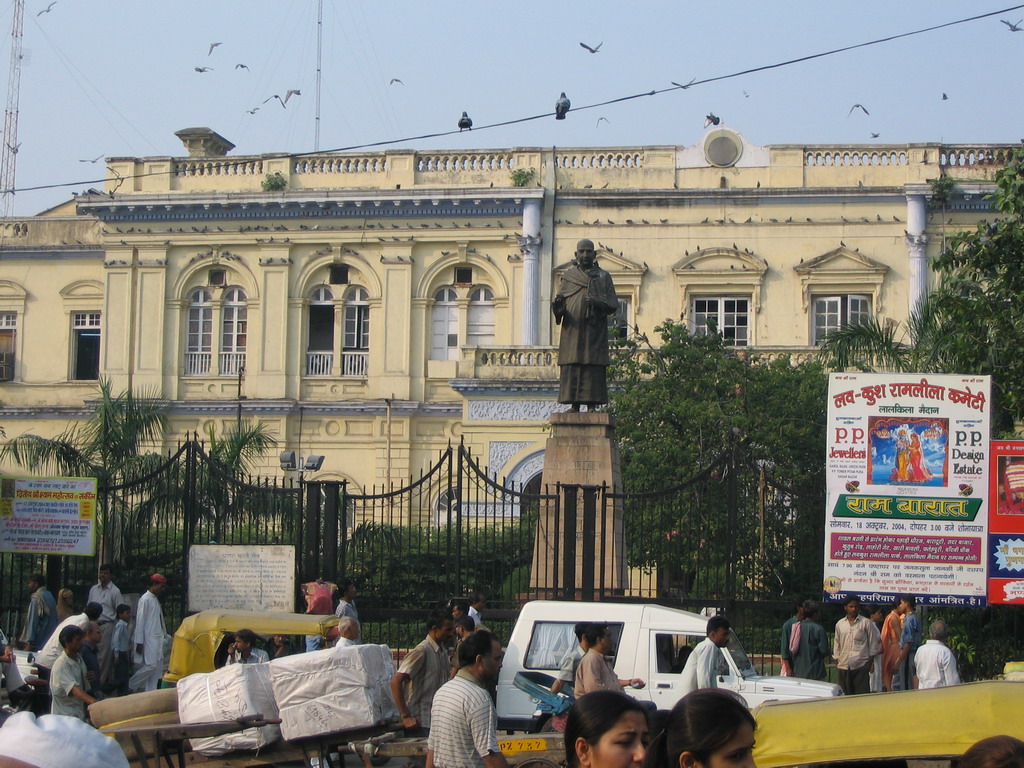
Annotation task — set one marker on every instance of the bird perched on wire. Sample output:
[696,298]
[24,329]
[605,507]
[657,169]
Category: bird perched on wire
[562,106]
[712,119]
[595,49]
[857,106]
[1013,27]
[465,123]
[200,70]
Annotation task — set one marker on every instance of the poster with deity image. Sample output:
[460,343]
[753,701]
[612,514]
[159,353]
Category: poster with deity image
[1005,551]
[907,462]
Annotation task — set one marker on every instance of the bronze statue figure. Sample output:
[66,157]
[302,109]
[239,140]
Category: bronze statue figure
[585,299]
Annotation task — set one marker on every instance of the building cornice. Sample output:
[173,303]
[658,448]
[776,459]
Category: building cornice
[334,204]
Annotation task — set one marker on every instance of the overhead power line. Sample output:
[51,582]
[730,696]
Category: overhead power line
[620,99]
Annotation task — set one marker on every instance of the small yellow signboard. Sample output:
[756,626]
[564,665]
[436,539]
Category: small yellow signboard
[48,515]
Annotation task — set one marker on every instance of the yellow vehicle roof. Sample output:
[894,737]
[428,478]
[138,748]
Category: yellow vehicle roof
[197,639]
[939,722]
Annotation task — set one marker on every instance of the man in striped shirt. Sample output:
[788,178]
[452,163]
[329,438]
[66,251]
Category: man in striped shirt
[463,731]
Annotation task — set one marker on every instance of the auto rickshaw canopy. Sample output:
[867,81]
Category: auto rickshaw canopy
[197,639]
[933,723]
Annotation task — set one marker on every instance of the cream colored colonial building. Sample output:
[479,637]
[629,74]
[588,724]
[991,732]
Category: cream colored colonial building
[378,306]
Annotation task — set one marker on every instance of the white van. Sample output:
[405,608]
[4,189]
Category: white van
[651,642]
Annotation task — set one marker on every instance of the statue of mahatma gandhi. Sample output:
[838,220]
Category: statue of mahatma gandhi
[585,299]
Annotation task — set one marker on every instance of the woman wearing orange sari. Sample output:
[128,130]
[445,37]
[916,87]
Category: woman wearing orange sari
[892,628]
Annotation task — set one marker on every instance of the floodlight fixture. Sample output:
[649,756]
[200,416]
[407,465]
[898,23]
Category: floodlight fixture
[313,463]
[288,460]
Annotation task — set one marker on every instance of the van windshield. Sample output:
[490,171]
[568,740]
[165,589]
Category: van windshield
[739,656]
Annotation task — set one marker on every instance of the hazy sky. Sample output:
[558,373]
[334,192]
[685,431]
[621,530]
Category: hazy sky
[117,77]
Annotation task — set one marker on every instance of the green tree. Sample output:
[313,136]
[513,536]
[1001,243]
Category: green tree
[221,491]
[971,322]
[682,408]
[109,445]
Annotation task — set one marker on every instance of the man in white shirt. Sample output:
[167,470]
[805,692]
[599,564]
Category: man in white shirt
[149,637]
[244,650]
[463,731]
[67,680]
[108,596]
[348,633]
[856,643]
[53,649]
[703,665]
[936,664]
[477,602]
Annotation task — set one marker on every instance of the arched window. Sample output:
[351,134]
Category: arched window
[355,350]
[480,320]
[234,326]
[444,325]
[199,335]
[320,344]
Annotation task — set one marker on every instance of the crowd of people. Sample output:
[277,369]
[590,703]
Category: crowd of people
[872,653]
[82,657]
[444,691]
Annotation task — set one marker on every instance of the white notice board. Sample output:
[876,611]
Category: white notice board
[242,577]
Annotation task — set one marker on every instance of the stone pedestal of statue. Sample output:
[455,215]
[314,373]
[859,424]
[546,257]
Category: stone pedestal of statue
[579,551]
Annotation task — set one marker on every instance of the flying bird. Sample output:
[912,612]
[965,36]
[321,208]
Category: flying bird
[712,119]
[241,66]
[680,85]
[1013,27]
[597,47]
[465,123]
[253,111]
[857,106]
[212,46]
[395,80]
[599,121]
[746,95]
[275,96]
[945,97]
[562,106]
[50,8]
[288,94]
[200,70]
[94,160]
[874,135]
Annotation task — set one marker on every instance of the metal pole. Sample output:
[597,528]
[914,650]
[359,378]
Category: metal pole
[319,52]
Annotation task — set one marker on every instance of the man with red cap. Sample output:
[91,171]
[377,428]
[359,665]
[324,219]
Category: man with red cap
[149,638]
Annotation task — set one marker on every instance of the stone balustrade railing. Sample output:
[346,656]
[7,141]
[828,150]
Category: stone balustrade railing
[879,157]
[581,168]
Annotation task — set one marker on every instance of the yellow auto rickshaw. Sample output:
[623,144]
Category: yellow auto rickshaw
[201,635]
[933,724]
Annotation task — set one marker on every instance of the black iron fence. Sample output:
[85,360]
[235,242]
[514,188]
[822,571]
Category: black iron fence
[728,534]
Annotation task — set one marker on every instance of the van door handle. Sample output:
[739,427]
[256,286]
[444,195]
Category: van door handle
[664,685]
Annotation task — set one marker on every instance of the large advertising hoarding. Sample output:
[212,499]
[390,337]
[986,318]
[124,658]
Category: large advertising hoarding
[907,461]
[1005,550]
[48,515]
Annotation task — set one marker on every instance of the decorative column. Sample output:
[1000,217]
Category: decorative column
[529,244]
[917,246]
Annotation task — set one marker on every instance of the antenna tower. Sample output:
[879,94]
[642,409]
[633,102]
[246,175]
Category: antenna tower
[9,151]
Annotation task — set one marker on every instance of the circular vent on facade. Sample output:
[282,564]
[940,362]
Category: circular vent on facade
[722,148]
